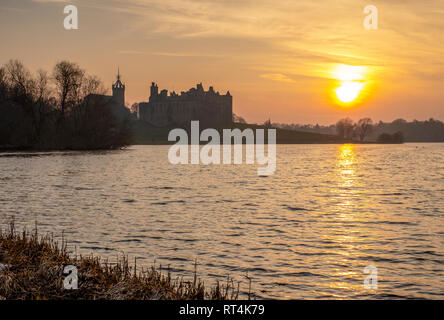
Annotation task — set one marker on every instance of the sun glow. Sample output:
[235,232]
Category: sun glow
[348,91]
[344,72]
[351,82]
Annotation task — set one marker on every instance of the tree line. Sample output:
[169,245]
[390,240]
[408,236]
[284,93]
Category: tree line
[430,130]
[347,129]
[48,111]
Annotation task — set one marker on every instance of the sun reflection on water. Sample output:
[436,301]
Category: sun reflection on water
[346,175]
[346,158]
[345,275]
[308,232]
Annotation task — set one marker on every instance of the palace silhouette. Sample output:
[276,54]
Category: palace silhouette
[210,108]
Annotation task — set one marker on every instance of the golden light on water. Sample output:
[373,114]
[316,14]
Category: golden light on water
[346,158]
[347,182]
[348,242]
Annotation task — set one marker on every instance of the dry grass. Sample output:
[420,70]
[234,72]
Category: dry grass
[35,271]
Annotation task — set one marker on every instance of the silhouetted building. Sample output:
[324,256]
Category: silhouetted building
[116,102]
[209,107]
[119,90]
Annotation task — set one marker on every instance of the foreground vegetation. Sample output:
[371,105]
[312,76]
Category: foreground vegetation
[31,267]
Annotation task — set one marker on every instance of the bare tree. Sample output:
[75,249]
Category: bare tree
[42,82]
[91,85]
[20,83]
[22,90]
[238,119]
[345,128]
[3,84]
[68,79]
[363,128]
[72,114]
[42,96]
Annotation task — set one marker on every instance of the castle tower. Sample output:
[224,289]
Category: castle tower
[119,90]
[154,91]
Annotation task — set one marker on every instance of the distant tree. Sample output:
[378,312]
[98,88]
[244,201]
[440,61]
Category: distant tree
[384,138]
[21,84]
[363,128]
[345,128]
[431,130]
[42,86]
[399,121]
[99,128]
[3,85]
[397,137]
[22,93]
[238,119]
[91,85]
[68,79]
[35,114]
[267,124]
[42,98]
[88,85]
[415,131]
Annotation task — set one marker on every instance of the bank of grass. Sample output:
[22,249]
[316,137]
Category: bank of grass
[34,270]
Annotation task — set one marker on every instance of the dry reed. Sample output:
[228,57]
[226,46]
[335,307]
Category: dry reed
[33,269]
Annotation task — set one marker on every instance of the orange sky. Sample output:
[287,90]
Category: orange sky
[277,58]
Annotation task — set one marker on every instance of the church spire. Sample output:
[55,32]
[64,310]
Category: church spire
[119,89]
[118,83]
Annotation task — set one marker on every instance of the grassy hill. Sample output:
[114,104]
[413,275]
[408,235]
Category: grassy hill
[144,133]
[284,136]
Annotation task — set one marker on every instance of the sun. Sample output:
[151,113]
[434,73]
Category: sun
[348,91]
[350,81]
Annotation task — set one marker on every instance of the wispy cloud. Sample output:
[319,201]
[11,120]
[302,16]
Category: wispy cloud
[55,1]
[238,42]
[168,54]
[131,52]
[277,77]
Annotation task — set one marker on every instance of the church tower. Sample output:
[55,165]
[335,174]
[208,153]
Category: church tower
[119,90]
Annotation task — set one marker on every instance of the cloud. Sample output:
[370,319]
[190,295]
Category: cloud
[52,1]
[277,77]
[283,41]
[168,54]
[131,52]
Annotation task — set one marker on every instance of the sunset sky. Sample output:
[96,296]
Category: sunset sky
[279,59]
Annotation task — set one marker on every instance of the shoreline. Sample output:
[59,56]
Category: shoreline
[21,149]
[32,268]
